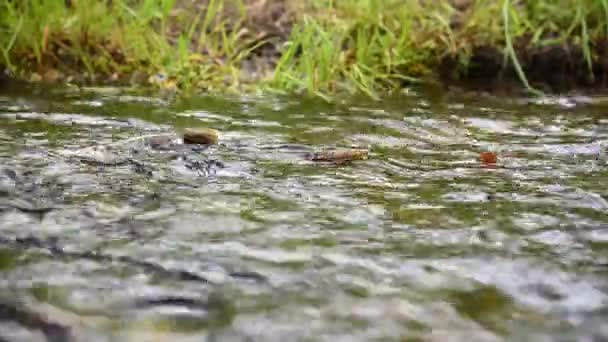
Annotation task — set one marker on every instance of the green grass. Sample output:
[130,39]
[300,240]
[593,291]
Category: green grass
[372,47]
[93,40]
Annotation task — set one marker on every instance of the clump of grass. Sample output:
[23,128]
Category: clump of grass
[353,46]
[93,40]
[357,46]
[372,46]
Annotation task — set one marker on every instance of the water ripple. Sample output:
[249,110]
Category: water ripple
[423,241]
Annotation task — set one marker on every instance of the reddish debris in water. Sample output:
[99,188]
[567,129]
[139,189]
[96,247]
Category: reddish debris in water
[488,157]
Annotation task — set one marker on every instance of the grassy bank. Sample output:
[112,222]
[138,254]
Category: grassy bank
[319,47]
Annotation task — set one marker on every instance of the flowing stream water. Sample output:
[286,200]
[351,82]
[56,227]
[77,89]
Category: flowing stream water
[421,242]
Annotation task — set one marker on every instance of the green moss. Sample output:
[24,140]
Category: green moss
[354,46]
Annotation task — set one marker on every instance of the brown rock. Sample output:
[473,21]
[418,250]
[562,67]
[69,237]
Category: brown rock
[200,135]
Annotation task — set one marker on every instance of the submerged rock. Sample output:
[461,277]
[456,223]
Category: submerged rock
[339,155]
[8,180]
[21,313]
[159,141]
[149,155]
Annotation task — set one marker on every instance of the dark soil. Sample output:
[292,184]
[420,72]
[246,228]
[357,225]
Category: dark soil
[553,69]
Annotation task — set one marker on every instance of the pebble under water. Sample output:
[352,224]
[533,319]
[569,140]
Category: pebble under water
[247,240]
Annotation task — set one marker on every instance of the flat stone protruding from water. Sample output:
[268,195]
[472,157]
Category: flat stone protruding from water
[207,136]
[339,155]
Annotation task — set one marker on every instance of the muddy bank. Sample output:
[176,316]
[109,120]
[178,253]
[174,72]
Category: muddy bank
[207,46]
[551,69]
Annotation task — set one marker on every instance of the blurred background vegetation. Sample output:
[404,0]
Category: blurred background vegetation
[318,47]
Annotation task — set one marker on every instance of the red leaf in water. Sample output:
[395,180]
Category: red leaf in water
[488,157]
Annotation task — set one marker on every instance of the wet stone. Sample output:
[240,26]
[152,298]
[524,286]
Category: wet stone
[158,142]
[339,156]
[148,155]
[200,136]
[8,181]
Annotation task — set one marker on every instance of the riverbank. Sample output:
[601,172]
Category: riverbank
[318,47]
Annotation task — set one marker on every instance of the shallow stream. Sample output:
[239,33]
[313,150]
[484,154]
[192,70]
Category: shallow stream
[421,242]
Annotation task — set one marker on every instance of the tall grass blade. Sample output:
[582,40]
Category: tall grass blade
[511,51]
